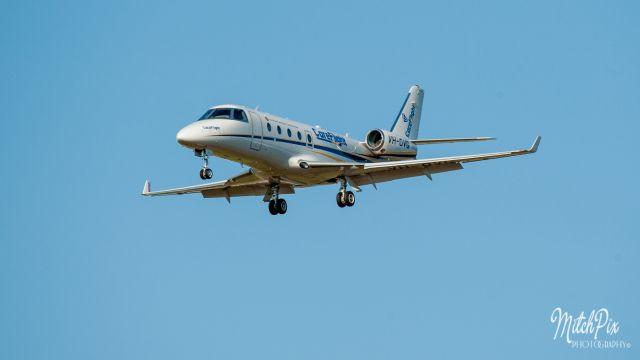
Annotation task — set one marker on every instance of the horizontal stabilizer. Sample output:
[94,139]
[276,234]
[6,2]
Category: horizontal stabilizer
[450,140]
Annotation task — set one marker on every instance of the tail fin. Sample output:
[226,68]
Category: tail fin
[407,122]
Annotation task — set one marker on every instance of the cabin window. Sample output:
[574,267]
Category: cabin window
[299,136]
[268,127]
[308,138]
[279,130]
[289,132]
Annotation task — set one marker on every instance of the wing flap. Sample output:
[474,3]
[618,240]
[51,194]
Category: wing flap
[449,140]
[245,190]
[382,175]
[246,180]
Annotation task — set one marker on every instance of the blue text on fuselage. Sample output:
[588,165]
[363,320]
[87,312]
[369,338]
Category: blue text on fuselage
[330,137]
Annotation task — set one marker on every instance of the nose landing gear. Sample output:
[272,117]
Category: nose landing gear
[205,172]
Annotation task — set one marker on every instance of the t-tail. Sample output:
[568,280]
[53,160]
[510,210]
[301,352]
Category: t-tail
[407,122]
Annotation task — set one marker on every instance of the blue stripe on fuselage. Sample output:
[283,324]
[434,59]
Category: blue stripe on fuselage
[299,143]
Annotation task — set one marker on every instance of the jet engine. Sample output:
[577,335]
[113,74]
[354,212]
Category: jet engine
[382,142]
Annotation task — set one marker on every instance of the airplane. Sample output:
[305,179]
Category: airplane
[284,155]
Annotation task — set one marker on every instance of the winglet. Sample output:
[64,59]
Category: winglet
[534,147]
[147,188]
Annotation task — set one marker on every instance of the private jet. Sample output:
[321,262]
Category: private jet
[283,155]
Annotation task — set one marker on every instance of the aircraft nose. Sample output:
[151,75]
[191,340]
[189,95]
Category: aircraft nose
[188,136]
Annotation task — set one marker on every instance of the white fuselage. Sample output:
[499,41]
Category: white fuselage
[276,147]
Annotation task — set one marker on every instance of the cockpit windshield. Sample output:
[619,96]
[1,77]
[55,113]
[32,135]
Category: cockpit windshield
[217,114]
[224,113]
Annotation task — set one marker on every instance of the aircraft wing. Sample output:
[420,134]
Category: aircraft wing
[371,173]
[245,184]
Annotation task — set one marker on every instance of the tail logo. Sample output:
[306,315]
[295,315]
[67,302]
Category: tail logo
[409,120]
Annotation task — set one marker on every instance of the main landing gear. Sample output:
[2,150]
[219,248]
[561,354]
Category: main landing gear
[344,197]
[277,205]
[205,172]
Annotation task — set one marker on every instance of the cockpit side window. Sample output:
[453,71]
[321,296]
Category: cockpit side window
[239,115]
[207,114]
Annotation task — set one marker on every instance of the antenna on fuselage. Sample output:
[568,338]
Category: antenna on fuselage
[257,107]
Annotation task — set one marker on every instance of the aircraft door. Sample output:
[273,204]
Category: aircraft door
[256,131]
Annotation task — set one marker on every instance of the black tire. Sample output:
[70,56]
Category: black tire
[272,208]
[202,174]
[208,173]
[340,200]
[281,206]
[350,198]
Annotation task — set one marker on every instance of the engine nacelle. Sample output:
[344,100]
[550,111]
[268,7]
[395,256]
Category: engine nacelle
[382,142]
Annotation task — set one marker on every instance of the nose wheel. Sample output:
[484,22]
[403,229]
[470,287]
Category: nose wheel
[205,172]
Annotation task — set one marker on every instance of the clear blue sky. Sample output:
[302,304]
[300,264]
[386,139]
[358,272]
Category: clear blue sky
[473,263]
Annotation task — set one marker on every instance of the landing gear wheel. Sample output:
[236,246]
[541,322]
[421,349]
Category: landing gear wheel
[281,206]
[340,199]
[350,198]
[272,207]
[206,173]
